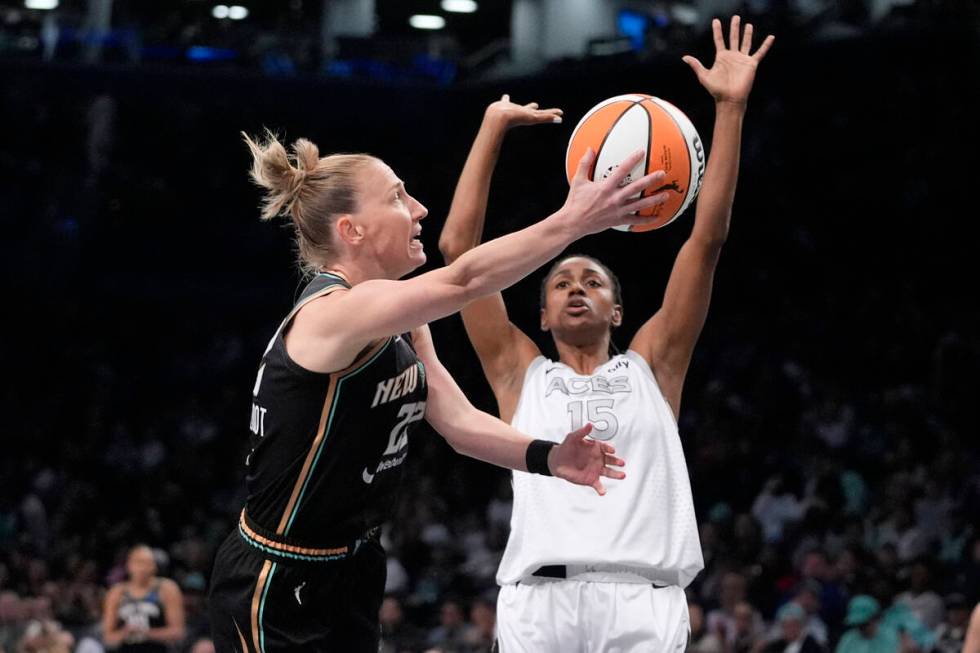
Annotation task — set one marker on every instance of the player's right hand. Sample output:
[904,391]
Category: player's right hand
[592,206]
[505,114]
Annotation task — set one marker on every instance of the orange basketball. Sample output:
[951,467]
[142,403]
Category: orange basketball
[617,127]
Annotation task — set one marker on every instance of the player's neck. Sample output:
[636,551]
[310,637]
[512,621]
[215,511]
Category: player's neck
[583,358]
[352,273]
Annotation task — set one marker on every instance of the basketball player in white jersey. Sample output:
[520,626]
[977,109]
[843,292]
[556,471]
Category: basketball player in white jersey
[582,573]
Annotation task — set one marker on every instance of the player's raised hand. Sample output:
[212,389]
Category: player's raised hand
[596,205]
[731,75]
[507,114]
[584,461]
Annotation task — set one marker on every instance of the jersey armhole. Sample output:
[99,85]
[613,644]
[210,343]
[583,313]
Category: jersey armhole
[537,362]
[279,340]
[645,367]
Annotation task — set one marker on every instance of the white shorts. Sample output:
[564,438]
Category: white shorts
[575,616]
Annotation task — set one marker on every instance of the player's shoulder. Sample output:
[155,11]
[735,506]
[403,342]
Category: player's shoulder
[169,586]
[115,592]
[633,360]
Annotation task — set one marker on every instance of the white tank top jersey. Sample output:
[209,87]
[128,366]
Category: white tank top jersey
[645,522]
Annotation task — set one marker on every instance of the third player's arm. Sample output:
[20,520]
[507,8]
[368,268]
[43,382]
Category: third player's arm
[504,350]
[667,340]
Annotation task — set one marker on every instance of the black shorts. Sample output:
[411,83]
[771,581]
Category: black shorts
[260,603]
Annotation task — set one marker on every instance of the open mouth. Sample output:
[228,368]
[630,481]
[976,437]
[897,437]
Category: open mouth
[577,307]
[416,240]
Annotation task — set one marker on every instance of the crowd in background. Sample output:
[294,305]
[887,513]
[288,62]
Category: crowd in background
[829,422]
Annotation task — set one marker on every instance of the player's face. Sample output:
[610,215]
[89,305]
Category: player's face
[391,220]
[580,303]
[140,564]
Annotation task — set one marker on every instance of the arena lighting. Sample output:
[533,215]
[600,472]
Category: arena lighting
[237,12]
[220,11]
[427,21]
[459,6]
[41,4]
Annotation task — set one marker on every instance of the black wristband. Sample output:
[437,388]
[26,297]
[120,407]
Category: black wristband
[536,457]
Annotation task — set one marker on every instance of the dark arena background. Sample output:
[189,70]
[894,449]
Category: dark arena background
[830,415]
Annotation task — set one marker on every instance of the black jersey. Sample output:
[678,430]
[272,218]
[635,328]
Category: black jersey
[327,449]
[142,613]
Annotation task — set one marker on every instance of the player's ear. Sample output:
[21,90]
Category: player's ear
[348,230]
[544,321]
[617,316]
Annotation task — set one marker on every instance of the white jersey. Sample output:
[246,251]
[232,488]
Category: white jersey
[644,523]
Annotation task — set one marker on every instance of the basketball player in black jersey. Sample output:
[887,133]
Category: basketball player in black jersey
[145,613]
[348,374]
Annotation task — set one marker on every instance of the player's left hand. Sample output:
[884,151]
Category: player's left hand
[585,461]
[731,75]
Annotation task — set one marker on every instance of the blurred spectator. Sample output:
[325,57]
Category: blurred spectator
[775,507]
[45,636]
[748,630]
[793,636]
[807,597]
[483,616]
[866,634]
[951,633]
[144,614]
[452,631]
[397,636]
[721,620]
[920,598]
[12,615]
[702,639]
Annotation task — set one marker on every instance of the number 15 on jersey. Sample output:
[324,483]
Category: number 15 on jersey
[599,412]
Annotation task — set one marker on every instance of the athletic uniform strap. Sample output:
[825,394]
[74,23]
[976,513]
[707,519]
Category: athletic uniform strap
[321,286]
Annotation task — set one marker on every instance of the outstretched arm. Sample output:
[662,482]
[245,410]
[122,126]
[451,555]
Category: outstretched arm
[479,435]
[504,350]
[667,340]
[333,329]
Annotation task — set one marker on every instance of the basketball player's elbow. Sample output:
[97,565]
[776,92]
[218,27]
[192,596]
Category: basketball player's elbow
[709,243]
[456,437]
[450,246]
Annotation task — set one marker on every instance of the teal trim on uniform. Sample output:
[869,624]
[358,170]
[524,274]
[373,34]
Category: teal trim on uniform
[287,554]
[326,431]
[265,592]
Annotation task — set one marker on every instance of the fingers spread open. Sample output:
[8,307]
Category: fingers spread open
[613,461]
[640,204]
[733,32]
[716,33]
[585,165]
[764,48]
[619,173]
[599,488]
[613,473]
[653,179]
[579,434]
[695,64]
[747,39]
